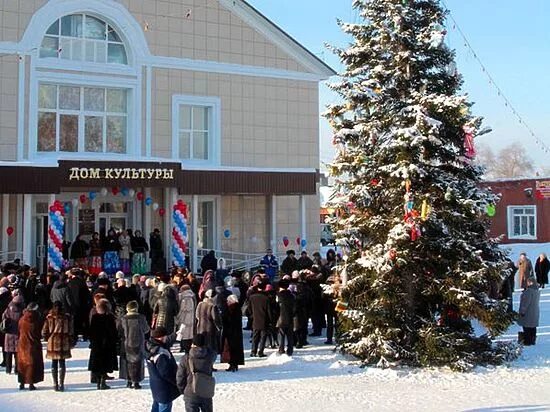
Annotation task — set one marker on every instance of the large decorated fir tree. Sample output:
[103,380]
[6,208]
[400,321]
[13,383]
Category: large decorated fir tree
[421,266]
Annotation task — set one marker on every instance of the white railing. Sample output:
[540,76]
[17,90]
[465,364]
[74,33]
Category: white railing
[10,256]
[235,260]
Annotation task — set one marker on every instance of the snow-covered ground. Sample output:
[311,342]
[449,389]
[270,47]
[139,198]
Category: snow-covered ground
[317,379]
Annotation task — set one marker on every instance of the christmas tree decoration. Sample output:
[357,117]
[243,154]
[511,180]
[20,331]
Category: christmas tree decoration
[395,310]
[469,141]
[341,306]
[491,210]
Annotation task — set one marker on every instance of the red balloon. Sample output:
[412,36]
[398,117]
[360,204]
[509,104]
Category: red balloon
[83,198]
[162,211]
[115,190]
[298,240]
[139,196]
[285,241]
[52,208]
[9,231]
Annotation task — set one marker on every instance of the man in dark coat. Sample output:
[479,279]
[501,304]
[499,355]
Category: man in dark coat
[209,262]
[155,252]
[197,365]
[5,299]
[542,267]
[303,308]
[61,293]
[166,308]
[162,370]
[81,299]
[286,318]
[103,343]
[209,321]
[290,263]
[260,311]
[122,296]
[305,261]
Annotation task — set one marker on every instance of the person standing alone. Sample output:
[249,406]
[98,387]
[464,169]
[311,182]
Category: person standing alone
[529,311]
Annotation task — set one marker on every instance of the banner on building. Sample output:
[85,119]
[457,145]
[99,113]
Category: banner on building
[543,189]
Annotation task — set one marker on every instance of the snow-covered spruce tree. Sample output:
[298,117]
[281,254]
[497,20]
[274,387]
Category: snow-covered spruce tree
[421,265]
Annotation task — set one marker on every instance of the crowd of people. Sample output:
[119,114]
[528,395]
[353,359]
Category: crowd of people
[133,321]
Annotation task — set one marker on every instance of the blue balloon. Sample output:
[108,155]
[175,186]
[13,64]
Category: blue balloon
[303,243]
[148,201]
[92,195]
[67,207]
[227,233]
[125,191]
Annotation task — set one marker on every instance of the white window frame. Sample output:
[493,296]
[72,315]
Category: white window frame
[510,222]
[133,113]
[214,134]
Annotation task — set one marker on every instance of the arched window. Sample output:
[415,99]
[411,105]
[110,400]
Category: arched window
[81,37]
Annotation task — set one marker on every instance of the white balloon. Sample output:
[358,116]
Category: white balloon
[103,191]
[131,192]
[75,202]
[155,206]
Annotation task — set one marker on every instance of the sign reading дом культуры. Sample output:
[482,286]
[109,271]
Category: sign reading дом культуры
[543,189]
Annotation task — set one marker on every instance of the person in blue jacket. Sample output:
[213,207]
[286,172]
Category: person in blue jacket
[270,264]
[162,370]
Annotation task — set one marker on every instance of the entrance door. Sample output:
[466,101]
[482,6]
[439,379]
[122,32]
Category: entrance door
[41,233]
[107,222]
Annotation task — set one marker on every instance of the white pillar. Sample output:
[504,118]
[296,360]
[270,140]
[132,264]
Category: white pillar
[303,221]
[27,232]
[273,224]
[21,109]
[170,198]
[146,217]
[5,222]
[194,233]
[19,225]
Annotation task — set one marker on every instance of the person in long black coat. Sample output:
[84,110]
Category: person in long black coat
[232,335]
[542,267]
[81,299]
[166,308]
[261,316]
[285,323]
[209,262]
[303,308]
[5,299]
[103,343]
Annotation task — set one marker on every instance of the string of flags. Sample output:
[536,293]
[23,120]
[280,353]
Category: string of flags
[507,103]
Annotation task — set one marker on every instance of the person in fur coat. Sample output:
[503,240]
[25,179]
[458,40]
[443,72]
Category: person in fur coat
[209,321]
[103,343]
[185,320]
[59,333]
[165,309]
[13,313]
[30,363]
[134,332]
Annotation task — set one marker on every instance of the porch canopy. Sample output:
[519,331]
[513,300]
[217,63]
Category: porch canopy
[36,179]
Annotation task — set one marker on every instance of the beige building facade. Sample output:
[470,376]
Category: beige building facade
[97,96]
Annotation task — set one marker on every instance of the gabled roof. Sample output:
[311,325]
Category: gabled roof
[278,36]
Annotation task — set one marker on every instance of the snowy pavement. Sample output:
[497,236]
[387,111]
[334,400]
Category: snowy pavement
[317,379]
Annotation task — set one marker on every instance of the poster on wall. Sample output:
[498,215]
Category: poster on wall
[543,189]
[86,222]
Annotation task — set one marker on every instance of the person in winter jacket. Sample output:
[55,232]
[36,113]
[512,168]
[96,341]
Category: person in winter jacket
[96,255]
[270,264]
[162,369]
[133,331]
[305,261]
[166,308]
[232,335]
[81,299]
[58,332]
[125,249]
[5,299]
[525,269]
[330,295]
[209,262]
[209,322]
[122,296]
[111,248]
[12,315]
[30,363]
[140,248]
[79,252]
[285,322]
[194,377]
[317,314]
[290,263]
[103,344]
[185,320]
[156,253]
[260,311]
[302,294]
[542,267]
[62,293]
[529,311]
[208,283]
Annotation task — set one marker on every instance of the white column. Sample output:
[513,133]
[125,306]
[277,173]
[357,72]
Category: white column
[21,109]
[19,225]
[5,222]
[273,223]
[148,116]
[27,232]
[194,233]
[146,217]
[303,221]
[170,198]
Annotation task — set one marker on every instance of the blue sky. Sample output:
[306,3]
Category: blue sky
[509,36]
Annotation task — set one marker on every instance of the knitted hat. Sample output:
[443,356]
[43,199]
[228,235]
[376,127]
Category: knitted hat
[132,306]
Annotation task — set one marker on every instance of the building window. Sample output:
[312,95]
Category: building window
[522,222]
[206,224]
[81,37]
[82,119]
[196,129]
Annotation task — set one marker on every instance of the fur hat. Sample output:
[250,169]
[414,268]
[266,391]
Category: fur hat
[32,306]
[209,293]
[161,287]
[102,275]
[132,306]
[159,332]
[119,275]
